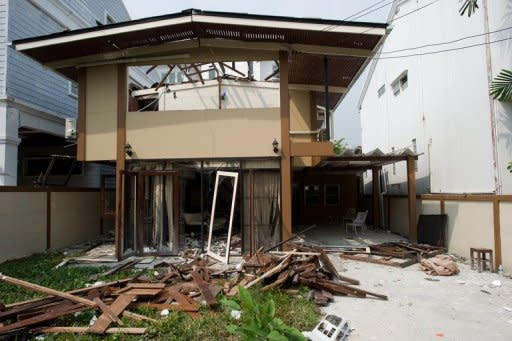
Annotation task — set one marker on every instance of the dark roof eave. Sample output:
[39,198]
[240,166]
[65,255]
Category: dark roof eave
[191,12]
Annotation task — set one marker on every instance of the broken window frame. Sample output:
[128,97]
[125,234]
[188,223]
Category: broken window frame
[209,252]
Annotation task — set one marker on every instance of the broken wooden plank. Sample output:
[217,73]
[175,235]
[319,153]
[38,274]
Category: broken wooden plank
[137,317]
[162,306]
[104,321]
[278,268]
[203,287]
[118,283]
[43,318]
[282,278]
[343,288]
[48,291]
[141,292]
[106,310]
[380,261]
[84,330]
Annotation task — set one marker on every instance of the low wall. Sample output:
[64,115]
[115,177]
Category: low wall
[35,220]
[473,221]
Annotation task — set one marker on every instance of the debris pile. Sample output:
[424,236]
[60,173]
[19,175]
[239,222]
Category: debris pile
[396,254]
[182,286]
[306,266]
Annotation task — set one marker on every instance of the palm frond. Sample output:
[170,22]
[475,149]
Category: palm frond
[501,86]
[469,6]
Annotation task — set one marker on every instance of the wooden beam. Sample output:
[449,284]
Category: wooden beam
[318,88]
[151,69]
[467,197]
[184,73]
[116,308]
[83,330]
[48,220]
[497,233]
[312,148]
[302,48]
[272,74]
[232,68]
[82,93]
[122,107]
[286,157]
[168,49]
[198,73]
[171,67]
[411,199]
[375,197]
[47,291]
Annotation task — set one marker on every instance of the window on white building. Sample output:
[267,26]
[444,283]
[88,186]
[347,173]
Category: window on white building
[381,90]
[400,83]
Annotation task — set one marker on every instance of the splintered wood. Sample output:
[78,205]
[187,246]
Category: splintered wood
[307,266]
[178,287]
[396,254]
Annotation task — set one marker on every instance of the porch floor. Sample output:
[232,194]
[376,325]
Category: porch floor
[336,236]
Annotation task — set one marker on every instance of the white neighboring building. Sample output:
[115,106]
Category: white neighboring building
[437,101]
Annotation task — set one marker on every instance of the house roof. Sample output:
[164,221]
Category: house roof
[348,45]
[360,162]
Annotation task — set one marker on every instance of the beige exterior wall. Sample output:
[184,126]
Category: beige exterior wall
[75,218]
[300,120]
[430,207]
[506,235]
[470,224]
[203,133]
[399,217]
[101,113]
[22,224]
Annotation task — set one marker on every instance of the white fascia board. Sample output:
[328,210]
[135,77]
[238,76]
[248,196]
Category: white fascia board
[291,25]
[204,19]
[101,33]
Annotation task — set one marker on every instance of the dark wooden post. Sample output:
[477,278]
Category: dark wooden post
[375,197]
[122,107]
[286,163]
[411,193]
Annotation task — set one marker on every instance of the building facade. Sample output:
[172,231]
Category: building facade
[34,100]
[428,91]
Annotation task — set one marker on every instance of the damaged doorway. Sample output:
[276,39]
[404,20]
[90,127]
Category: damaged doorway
[151,218]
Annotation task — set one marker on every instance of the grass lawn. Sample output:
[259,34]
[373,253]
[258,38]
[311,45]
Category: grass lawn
[209,324]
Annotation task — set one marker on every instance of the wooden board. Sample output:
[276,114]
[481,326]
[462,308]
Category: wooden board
[104,321]
[83,330]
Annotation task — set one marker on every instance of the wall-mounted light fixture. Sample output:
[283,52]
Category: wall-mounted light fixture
[128,149]
[275,146]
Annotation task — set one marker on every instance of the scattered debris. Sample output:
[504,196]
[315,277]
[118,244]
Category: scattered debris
[396,254]
[178,286]
[440,265]
[432,279]
[332,327]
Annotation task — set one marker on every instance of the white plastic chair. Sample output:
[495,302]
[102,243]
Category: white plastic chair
[359,221]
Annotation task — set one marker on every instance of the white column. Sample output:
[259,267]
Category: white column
[9,141]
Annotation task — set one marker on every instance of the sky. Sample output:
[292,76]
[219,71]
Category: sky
[346,118]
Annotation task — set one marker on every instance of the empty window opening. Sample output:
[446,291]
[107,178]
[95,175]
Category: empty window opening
[332,195]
